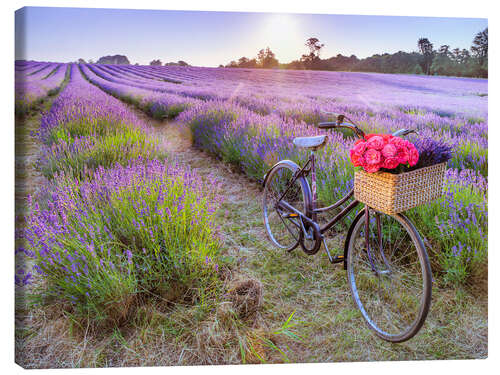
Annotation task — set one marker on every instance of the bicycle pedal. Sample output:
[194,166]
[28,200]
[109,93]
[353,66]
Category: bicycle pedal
[338,259]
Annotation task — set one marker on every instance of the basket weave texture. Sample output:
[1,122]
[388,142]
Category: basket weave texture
[393,193]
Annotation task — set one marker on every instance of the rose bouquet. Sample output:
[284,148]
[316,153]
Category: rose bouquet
[383,152]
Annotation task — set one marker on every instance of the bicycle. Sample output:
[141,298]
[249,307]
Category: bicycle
[387,266]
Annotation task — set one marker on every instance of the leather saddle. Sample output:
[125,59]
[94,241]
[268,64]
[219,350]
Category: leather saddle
[313,143]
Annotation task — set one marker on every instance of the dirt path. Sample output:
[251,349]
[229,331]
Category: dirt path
[27,178]
[329,323]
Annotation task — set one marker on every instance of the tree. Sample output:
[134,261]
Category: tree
[464,56]
[417,69]
[444,50]
[245,62]
[427,50]
[81,61]
[155,63]
[314,46]
[442,65]
[115,60]
[182,63]
[295,64]
[312,59]
[267,59]
[479,46]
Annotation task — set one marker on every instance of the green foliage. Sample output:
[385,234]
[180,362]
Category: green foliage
[170,252]
[85,127]
[456,226]
[106,147]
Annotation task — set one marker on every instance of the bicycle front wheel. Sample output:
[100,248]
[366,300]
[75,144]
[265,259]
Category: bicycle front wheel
[390,281]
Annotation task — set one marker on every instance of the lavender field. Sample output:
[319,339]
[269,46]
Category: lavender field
[120,222]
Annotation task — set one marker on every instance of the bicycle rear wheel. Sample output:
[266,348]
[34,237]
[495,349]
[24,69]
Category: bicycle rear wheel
[391,283]
[284,230]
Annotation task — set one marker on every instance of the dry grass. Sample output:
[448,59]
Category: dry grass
[251,327]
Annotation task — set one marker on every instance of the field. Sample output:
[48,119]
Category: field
[139,231]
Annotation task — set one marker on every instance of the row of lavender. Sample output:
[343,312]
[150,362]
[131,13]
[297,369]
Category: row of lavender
[117,223]
[236,121]
[34,81]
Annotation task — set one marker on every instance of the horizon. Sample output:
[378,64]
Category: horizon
[91,33]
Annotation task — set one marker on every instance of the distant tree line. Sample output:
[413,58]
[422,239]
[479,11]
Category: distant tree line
[443,61]
[265,59]
[178,63]
[123,60]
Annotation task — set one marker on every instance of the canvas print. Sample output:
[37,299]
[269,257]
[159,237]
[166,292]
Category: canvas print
[230,188]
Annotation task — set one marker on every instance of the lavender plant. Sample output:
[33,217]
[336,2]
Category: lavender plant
[31,87]
[131,232]
[431,152]
[86,128]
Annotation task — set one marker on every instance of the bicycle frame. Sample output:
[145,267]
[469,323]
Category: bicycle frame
[310,216]
[314,210]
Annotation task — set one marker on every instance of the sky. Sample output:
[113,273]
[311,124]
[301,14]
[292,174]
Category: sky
[213,38]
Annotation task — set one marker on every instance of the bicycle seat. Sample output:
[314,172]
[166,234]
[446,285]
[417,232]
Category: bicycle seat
[313,143]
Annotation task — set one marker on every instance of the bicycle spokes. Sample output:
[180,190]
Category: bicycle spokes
[389,275]
[283,228]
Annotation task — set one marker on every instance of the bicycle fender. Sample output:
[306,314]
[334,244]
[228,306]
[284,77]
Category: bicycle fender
[359,215]
[281,162]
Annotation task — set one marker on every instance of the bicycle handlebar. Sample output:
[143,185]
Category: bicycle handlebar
[327,125]
[340,124]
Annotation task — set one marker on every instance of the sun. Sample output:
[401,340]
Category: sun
[280,25]
[282,33]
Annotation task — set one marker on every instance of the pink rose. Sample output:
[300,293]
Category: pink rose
[387,137]
[390,163]
[402,155]
[413,155]
[372,156]
[389,150]
[398,142]
[359,141]
[376,142]
[356,158]
[359,148]
[372,168]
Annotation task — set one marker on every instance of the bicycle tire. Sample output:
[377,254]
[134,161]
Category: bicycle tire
[395,301]
[298,196]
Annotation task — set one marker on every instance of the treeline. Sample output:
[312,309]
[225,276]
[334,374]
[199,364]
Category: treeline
[429,61]
[159,63]
[123,60]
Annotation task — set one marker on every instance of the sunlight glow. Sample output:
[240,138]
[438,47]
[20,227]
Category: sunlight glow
[282,32]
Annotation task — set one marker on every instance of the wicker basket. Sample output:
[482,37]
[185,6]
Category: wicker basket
[394,193]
